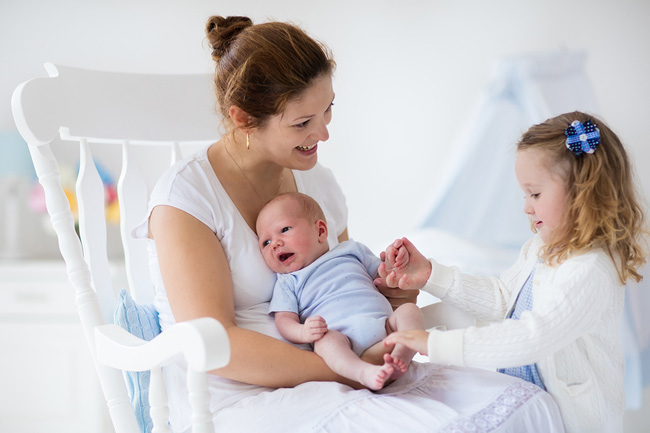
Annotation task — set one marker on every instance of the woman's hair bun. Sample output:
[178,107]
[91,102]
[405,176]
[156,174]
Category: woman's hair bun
[221,32]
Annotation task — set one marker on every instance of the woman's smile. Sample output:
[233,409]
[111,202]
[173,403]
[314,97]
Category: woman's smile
[308,150]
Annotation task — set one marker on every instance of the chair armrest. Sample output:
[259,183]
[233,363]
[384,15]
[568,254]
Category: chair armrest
[202,342]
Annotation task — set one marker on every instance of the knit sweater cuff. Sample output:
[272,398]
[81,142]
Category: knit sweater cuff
[446,347]
[440,280]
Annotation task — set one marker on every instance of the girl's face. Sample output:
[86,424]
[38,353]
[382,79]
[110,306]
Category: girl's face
[289,241]
[291,138]
[545,192]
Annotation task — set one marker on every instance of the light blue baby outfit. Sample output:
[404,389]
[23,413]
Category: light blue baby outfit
[339,287]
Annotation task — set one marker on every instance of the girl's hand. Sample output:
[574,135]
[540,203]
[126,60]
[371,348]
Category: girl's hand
[414,339]
[313,329]
[404,266]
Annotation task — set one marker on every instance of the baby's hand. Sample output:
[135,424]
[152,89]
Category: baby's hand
[313,329]
[404,266]
[400,255]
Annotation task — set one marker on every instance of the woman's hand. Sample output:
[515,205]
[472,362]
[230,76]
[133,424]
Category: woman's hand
[396,297]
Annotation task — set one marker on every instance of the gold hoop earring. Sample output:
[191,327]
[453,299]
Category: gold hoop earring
[248,142]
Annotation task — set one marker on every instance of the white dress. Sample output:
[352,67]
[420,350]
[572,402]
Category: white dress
[429,398]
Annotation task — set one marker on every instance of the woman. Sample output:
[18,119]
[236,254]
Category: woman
[274,90]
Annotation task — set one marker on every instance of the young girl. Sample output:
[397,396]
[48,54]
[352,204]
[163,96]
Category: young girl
[562,300]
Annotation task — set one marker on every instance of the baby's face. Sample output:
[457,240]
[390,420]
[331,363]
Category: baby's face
[288,241]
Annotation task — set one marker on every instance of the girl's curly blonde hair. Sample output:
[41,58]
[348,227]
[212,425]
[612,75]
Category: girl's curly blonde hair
[603,207]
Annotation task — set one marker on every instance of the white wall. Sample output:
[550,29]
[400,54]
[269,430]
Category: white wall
[408,71]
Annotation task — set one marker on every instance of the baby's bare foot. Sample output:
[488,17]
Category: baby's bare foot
[400,365]
[375,376]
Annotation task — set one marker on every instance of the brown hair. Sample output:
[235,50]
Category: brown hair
[259,68]
[603,208]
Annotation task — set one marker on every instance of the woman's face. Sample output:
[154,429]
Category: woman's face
[291,138]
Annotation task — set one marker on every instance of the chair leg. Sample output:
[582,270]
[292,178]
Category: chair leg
[158,401]
[197,383]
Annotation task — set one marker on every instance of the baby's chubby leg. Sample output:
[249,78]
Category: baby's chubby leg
[406,317]
[336,350]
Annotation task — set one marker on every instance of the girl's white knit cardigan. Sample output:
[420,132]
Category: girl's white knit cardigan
[572,331]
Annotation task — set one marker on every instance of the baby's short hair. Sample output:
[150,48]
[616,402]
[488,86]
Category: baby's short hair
[310,207]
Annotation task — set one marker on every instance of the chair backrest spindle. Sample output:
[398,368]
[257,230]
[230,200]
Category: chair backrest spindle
[132,198]
[92,228]
[176,152]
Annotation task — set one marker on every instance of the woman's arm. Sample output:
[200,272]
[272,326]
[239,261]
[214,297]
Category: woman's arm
[344,236]
[197,279]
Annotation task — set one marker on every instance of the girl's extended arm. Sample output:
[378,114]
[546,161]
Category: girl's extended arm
[289,325]
[198,284]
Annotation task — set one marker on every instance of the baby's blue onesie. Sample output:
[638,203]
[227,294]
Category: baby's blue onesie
[339,287]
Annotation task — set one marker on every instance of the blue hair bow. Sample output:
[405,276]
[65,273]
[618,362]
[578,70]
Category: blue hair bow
[582,138]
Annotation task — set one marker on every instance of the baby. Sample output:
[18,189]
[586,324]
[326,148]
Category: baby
[328,297]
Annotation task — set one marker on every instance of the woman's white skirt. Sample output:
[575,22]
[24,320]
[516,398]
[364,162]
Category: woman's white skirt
[429,398]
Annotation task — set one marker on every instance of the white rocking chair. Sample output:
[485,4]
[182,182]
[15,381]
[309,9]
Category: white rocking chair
[131,117]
